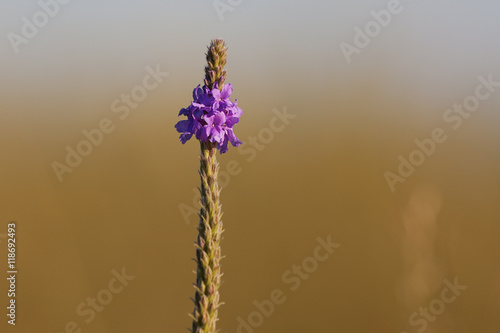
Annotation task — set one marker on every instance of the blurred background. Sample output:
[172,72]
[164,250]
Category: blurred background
[342,101]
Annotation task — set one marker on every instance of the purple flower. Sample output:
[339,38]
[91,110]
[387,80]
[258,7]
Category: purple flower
[211,117]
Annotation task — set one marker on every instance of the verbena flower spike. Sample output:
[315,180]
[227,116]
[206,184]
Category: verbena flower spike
[210,118]
[212,115]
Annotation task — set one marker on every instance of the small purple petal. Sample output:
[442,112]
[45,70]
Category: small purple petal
[217,134]
[183,126]
[219,119]
[197,92]
[227,90]
[209,119]
[223,146]
[185,137]
[232,138]
[216,93]
[231,121]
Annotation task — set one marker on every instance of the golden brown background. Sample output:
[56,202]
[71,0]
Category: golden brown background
[322,175]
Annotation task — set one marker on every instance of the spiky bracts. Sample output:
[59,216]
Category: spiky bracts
[208,251]
[216,60]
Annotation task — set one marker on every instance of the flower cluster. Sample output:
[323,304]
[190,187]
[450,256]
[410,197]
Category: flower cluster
[211,117]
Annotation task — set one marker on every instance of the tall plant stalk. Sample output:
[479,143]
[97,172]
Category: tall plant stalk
[208,249]
[210,117]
